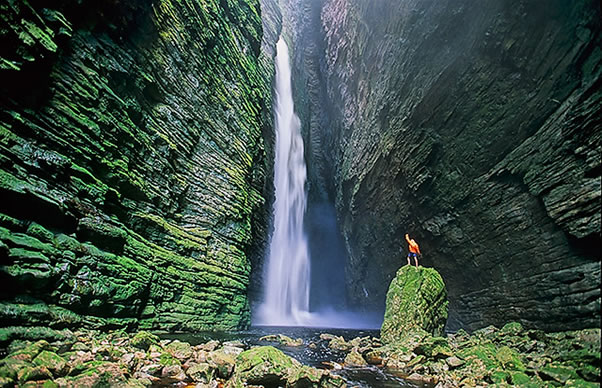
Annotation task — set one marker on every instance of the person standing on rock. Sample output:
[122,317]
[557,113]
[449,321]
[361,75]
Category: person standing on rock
[414,250]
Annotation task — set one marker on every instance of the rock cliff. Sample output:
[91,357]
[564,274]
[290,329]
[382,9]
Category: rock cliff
[132,162]
[476,128]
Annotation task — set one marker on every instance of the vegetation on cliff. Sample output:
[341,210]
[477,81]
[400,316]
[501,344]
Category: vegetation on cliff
[132,164]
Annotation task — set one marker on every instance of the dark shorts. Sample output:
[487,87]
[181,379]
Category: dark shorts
[411,254]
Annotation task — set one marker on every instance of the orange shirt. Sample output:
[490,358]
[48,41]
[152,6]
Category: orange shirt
[414,248]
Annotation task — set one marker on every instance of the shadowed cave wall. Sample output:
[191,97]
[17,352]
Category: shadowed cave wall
[475,127]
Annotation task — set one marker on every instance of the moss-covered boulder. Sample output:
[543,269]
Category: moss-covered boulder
[144,339]
[268,366]
[52,361]
[179,350]
[417,299]
[264,365]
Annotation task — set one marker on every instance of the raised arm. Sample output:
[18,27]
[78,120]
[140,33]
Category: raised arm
[408,239]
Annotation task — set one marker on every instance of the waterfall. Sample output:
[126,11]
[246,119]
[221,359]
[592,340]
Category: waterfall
[287,278]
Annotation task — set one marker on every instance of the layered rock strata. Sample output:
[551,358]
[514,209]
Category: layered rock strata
[132,163]
[475,128]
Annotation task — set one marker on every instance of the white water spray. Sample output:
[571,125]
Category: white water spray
[286,287]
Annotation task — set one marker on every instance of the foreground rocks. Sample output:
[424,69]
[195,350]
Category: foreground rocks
[93,359]
[511,356]
[417,299]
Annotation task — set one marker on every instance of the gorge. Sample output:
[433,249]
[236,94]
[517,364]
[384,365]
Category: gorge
[137,147]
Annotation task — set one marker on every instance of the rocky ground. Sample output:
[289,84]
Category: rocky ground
[510,356]
[118,359]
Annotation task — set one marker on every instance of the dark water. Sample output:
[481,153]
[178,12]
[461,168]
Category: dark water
[320,357]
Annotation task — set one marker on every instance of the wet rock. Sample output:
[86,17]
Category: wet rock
[179,350]
[434,347]
[223,363]
[454,361]
[354,358]
[406,158]
[417,299]
[28,373]
[231,350]
[327,336]
[200,373]
[374,357]
[558,373]
[234,344]
[339,343]
[151,369]
[52,361]
[80,346]
[264,365]
[268,366]
[109,240]
[173,373]
[283,340]
[208,346]
[143,340]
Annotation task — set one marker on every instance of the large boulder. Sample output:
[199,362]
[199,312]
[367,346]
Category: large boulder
[417,299]
[268,366]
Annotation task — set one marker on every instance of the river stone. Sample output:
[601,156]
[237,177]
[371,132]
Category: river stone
[200,373]
[264,365]
[173,372]
[339,343]
[222,362]
[55,363]
[33,373]
[454,361]
[282,339]
[143,340]
[179,350]
[354,358]
[417,299]
[268,366]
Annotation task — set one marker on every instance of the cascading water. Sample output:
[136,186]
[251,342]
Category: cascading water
[286,287]
[287,282]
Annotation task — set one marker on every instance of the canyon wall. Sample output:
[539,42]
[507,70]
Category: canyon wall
[133,169]
[475,128]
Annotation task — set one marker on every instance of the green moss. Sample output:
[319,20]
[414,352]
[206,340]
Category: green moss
[40,232]
[417,298]
[143,340]
[509,359]
[33,333]
[51,361]
[167,359]
[511,328]
[519,378]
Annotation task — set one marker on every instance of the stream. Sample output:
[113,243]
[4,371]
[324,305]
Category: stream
[320,357]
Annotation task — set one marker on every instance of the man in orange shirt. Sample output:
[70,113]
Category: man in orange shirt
[414,250]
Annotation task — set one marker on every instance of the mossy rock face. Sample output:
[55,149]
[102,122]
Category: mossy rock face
[179,350]
[417,299]
[137,180]
[55,363]
[264,365]
[143,340]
